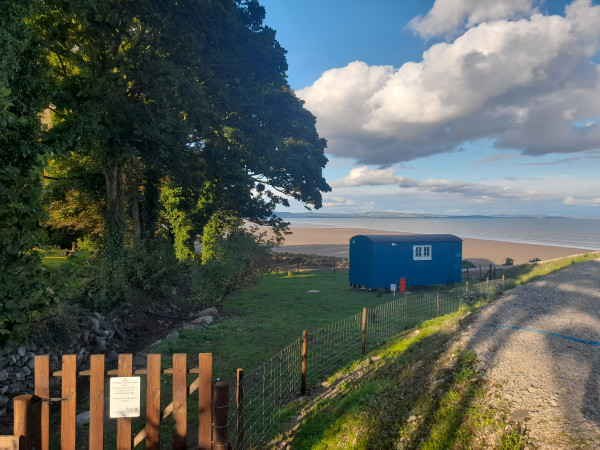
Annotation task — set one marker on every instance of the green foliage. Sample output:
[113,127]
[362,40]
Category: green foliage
[471,296]
[466,264]
[508,262]
[235,259]
[177,215]
[533,271]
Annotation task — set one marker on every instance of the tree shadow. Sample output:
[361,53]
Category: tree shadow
[547,334]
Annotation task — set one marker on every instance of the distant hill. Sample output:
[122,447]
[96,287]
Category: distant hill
[398,215]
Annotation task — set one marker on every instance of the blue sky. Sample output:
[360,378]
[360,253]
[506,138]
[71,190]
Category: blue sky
[450,107]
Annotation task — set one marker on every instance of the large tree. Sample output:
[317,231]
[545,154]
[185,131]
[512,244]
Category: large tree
[23,95]
[188,96]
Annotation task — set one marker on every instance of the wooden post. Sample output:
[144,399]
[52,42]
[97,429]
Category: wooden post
[153,401]
[180,401]
[96,441]
[239,400]
[480,271]
[487,282]
[502,277]
[467,286]
[364,330]
[27,419]
[220,413]
[68,414]
[42,390]
[405,310]
[334,267]
[437,309]
[125,369]
[205,401]
[304,352]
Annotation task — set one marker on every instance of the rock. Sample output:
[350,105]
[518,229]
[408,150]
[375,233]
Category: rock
[21,351]
[83,418]
[192,326]
[412,419]
[208,312]
[139,361]
[172,335]
[30,364]
[95,324]
[113,356]
[3,401]
[3,375]
[203,320]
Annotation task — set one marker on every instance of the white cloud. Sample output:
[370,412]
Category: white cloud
[448,15]
[570,200]
[337,202]
[523,82]
[364,176]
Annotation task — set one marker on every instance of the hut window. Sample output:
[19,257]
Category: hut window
[421,252]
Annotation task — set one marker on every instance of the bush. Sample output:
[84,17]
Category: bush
[508,262]
[471,296]
[235,260]
[504,286]
[466,264]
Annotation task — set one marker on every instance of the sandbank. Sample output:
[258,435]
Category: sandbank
[331,241]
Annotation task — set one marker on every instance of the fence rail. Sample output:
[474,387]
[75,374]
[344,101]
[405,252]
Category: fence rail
[246,419]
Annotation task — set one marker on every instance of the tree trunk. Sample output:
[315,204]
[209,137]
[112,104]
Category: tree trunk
[114,232]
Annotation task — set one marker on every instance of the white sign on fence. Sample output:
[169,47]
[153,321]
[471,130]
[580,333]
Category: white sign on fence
[124,397]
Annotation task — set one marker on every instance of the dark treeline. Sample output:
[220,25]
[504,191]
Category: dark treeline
[137,128]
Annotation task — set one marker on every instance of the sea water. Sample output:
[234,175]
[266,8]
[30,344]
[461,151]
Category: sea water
[557,231]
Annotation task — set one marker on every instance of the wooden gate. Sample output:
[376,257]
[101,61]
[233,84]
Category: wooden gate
[32,412]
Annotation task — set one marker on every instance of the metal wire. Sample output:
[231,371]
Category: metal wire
[269,388]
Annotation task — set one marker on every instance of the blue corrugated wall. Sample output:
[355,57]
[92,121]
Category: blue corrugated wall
[378,264]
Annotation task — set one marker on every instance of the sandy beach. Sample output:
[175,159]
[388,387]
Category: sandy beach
[332,241]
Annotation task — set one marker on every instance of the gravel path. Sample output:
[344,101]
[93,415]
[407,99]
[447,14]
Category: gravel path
[539,350]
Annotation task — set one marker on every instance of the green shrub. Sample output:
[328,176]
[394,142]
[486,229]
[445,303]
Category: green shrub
[466,264]
[471,296]
[508,262]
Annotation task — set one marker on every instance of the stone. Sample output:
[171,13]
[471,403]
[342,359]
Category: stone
[3,401]
[113,356]
[95,324]
[139,361]
[30,364]
[83,418]
[3,375]
[193,326]
[21,351]
[172,335]
[208,312]
[203,320]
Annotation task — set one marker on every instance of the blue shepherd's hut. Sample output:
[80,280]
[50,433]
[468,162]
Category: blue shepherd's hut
[377,261]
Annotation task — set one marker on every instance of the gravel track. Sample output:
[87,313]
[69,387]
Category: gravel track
[539,349]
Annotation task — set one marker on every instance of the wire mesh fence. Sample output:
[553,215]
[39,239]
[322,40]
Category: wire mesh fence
[308,361]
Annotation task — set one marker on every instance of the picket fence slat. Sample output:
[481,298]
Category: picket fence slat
[42,390]
[68,416]
[205,366]
[180,401]
[96,437]
[125,369]
[153,402]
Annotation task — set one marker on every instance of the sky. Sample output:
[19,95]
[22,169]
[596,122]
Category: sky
[454,107]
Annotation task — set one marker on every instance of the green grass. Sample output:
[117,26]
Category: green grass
[414,396]
[261,321]
[534,271]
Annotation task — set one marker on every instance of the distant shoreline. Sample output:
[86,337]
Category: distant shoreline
[333,241]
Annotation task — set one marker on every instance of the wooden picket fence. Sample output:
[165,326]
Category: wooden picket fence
[32,412]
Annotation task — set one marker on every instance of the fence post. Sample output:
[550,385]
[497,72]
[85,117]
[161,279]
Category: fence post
[502,277]
[180,400]
[467,286]
[68,413]
[205,400]
[42,389]
[487,283]
[437,309]
[27,419]
[220,414]
[153,363]
[364,330]
[125,368]
[405,310]
[96,438]
[304,351]
[239,400]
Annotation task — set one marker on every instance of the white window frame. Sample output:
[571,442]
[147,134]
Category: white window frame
[421,252]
